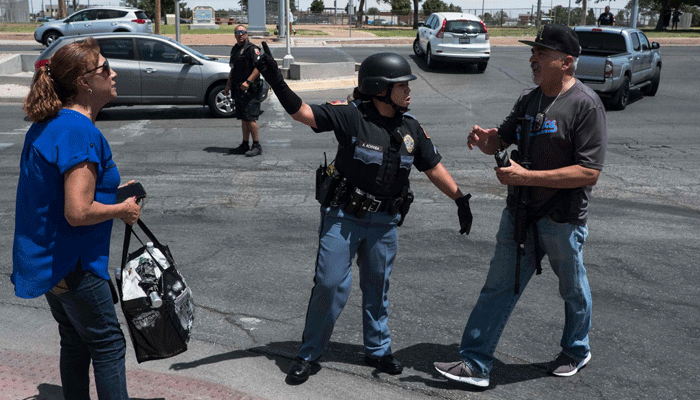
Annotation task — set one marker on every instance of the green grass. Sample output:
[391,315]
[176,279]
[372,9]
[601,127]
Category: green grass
[19,27]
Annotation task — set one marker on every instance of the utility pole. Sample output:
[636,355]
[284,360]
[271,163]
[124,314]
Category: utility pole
[157,12]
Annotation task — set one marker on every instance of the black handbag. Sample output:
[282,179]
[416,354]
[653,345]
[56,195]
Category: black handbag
[157,330]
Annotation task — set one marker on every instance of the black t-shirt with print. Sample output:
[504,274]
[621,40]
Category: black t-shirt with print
[574,132]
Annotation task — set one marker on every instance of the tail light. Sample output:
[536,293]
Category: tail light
[486,33]
[441,32]
[139,21]
[40,63]
[608,73]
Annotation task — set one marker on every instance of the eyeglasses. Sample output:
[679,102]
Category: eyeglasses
[104,66]
[240,32]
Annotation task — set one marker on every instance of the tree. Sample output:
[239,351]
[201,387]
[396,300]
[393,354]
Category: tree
[317,6]
[431,6]
[500,16]
[400,7]
[149,7]
[373,11]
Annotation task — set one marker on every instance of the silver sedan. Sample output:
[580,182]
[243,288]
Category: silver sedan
[156,70]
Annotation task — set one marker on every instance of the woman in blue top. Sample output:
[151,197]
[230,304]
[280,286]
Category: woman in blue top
[65,206]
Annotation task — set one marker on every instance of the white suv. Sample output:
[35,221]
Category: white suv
[450,36]
[95,20]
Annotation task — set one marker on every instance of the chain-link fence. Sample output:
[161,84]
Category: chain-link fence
[14,11]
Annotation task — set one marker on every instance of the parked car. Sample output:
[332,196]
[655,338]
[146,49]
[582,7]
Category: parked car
[450,36]
[95,20]
[44,19]
[156,70]
[615,60]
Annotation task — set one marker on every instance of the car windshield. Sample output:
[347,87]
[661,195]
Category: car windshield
[195,52]
[464,26]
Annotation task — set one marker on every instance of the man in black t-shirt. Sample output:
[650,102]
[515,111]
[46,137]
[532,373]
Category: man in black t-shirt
[606,18]
[567,149]
[244,80]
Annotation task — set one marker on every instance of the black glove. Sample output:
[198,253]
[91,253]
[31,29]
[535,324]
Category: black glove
[464,214]
[268,68]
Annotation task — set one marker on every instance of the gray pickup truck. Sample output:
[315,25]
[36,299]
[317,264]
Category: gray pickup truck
[615,60]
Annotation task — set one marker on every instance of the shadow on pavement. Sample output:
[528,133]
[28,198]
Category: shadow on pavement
[419,357]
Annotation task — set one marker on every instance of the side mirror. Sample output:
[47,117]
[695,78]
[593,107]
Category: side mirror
[421,24]
[655,45]
[187,59]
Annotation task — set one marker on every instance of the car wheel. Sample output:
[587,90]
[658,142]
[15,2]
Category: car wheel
[416,48]
[619,101]
[220,106]
[651,89]
[429,59]
[50,37]
[481,66]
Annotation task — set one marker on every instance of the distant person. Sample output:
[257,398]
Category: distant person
[63,218]
[291,20]
[244,80]
[676,18]
[606,18]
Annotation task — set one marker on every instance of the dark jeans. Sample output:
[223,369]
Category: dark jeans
[89,329]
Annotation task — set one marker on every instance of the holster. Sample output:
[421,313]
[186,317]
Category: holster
[405,204]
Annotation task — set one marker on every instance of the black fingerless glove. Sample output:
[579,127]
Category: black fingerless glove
[464,214]
[268,68]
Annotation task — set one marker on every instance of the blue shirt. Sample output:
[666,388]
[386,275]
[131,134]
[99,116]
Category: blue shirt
[46,247]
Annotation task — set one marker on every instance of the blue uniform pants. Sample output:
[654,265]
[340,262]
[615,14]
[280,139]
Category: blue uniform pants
[563,243]
[374,239]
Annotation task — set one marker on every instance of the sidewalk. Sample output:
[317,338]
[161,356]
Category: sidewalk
[29,368]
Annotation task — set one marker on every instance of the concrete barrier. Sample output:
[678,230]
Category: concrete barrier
[17,69]
[301,71]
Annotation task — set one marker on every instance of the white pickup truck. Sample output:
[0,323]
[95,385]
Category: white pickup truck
[615,60]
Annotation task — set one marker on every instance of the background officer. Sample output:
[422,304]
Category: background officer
[377,145]
[246,85]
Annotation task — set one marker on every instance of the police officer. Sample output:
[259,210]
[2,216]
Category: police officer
[378,143]
[244,80]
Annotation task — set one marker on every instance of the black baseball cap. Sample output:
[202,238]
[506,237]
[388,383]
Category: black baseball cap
[557,37]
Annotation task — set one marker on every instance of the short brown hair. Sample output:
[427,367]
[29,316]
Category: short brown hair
[55,83]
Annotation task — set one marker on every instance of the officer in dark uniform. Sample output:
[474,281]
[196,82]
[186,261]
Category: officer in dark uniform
[244,80]
[378,143]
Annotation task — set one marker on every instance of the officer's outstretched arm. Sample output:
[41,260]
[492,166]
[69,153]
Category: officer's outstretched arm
[292,104]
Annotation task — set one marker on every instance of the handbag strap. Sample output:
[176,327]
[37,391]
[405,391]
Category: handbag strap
[127,239]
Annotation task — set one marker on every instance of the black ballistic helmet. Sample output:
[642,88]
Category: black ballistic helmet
[381,69]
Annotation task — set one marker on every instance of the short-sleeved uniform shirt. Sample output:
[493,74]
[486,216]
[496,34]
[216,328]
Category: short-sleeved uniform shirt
[375,153]
[242,62]
[574,132]
[606,19]
[46,247]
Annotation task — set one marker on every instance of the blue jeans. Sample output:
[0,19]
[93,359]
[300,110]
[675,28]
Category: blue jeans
[374,239]
[563,244]
[89,330]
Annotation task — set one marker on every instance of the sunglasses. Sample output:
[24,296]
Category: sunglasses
[104,66]
[240,32]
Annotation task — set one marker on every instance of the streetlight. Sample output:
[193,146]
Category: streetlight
[288,59]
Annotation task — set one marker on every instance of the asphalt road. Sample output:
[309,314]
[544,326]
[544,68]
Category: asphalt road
[244,232]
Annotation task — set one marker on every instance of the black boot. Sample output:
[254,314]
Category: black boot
[299,371]
[242,149]
[387,364]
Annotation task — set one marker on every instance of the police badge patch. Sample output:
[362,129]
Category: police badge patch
[408,141]
[338,103]
[257,52]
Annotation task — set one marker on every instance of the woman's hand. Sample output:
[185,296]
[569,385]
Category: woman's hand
[132,211]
